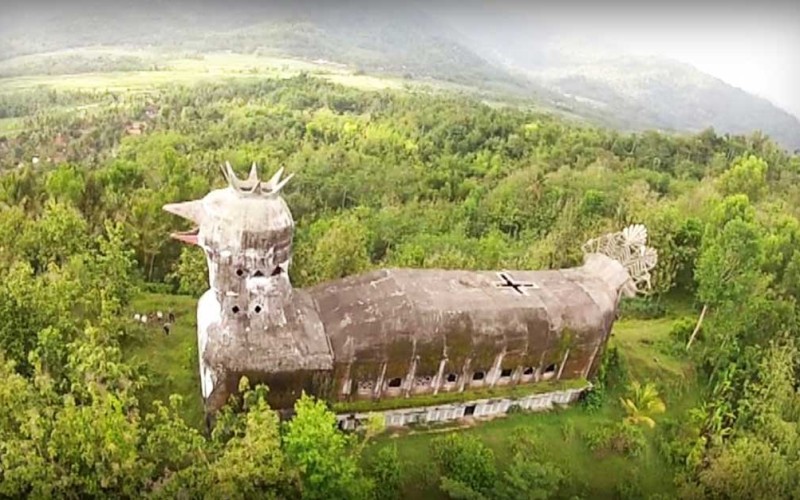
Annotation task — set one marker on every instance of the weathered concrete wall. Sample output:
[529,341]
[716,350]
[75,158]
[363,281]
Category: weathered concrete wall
[397,332]
[455,411]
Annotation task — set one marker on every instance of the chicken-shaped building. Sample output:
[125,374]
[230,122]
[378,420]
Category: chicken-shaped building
[394,333]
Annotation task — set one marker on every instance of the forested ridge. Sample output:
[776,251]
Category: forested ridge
[383,179]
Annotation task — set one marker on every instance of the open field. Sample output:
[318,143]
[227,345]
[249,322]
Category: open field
[190,70]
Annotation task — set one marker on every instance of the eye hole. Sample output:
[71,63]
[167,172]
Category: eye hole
[278,270]
[258,309]
[239,272]
[235,309]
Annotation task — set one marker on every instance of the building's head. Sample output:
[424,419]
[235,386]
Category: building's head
[246,232]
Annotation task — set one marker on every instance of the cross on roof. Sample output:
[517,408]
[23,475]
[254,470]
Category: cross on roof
[507,281]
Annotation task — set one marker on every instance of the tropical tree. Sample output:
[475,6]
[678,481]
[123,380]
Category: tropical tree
[642,404]
[321,454]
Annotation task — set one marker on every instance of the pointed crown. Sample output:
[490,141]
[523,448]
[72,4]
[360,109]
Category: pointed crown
[253,185]
[251,189]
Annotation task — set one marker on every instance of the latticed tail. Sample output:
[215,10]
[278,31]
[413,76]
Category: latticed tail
[629,248]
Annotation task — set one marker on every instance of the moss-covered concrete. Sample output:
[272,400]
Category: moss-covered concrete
[511,392]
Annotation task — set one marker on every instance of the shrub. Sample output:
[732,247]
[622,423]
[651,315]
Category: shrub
[682,329]
[594,398]
[526,441]
[162,288]
[619,438]
[615,370]
[385,471]
[675,441]
[528,479]
[611,373]
[567,429]
[466,460]
[629,487]
[642,308]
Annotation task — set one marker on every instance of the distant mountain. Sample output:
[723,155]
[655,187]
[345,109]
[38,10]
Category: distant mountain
[636,92]
[534,63]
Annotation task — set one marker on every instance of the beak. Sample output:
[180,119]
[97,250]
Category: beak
[189,237]
[190,210]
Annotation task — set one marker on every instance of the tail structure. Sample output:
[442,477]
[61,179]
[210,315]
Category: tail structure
[629,248]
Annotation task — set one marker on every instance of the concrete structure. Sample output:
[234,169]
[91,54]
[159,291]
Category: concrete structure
[478,408]
[390,333]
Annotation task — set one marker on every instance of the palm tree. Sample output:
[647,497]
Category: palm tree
[643,403]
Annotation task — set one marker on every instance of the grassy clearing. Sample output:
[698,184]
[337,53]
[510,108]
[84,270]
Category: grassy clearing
[170,359]
[176,70]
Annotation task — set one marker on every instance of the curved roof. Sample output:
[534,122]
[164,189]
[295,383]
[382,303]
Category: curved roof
[373,310]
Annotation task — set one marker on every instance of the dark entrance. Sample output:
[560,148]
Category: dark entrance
[469,410]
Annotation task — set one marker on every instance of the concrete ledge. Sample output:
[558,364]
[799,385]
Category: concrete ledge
[455,411]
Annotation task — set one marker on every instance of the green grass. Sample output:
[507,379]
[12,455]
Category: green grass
[599,474]
[171,359]
[651,355]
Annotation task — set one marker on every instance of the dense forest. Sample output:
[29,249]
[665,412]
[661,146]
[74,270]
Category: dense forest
[383,179]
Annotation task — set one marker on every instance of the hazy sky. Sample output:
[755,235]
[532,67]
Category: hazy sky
[754,46]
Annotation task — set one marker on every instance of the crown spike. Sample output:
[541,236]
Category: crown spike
[273,181]
[253,177]
[282,183]
[252,185]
